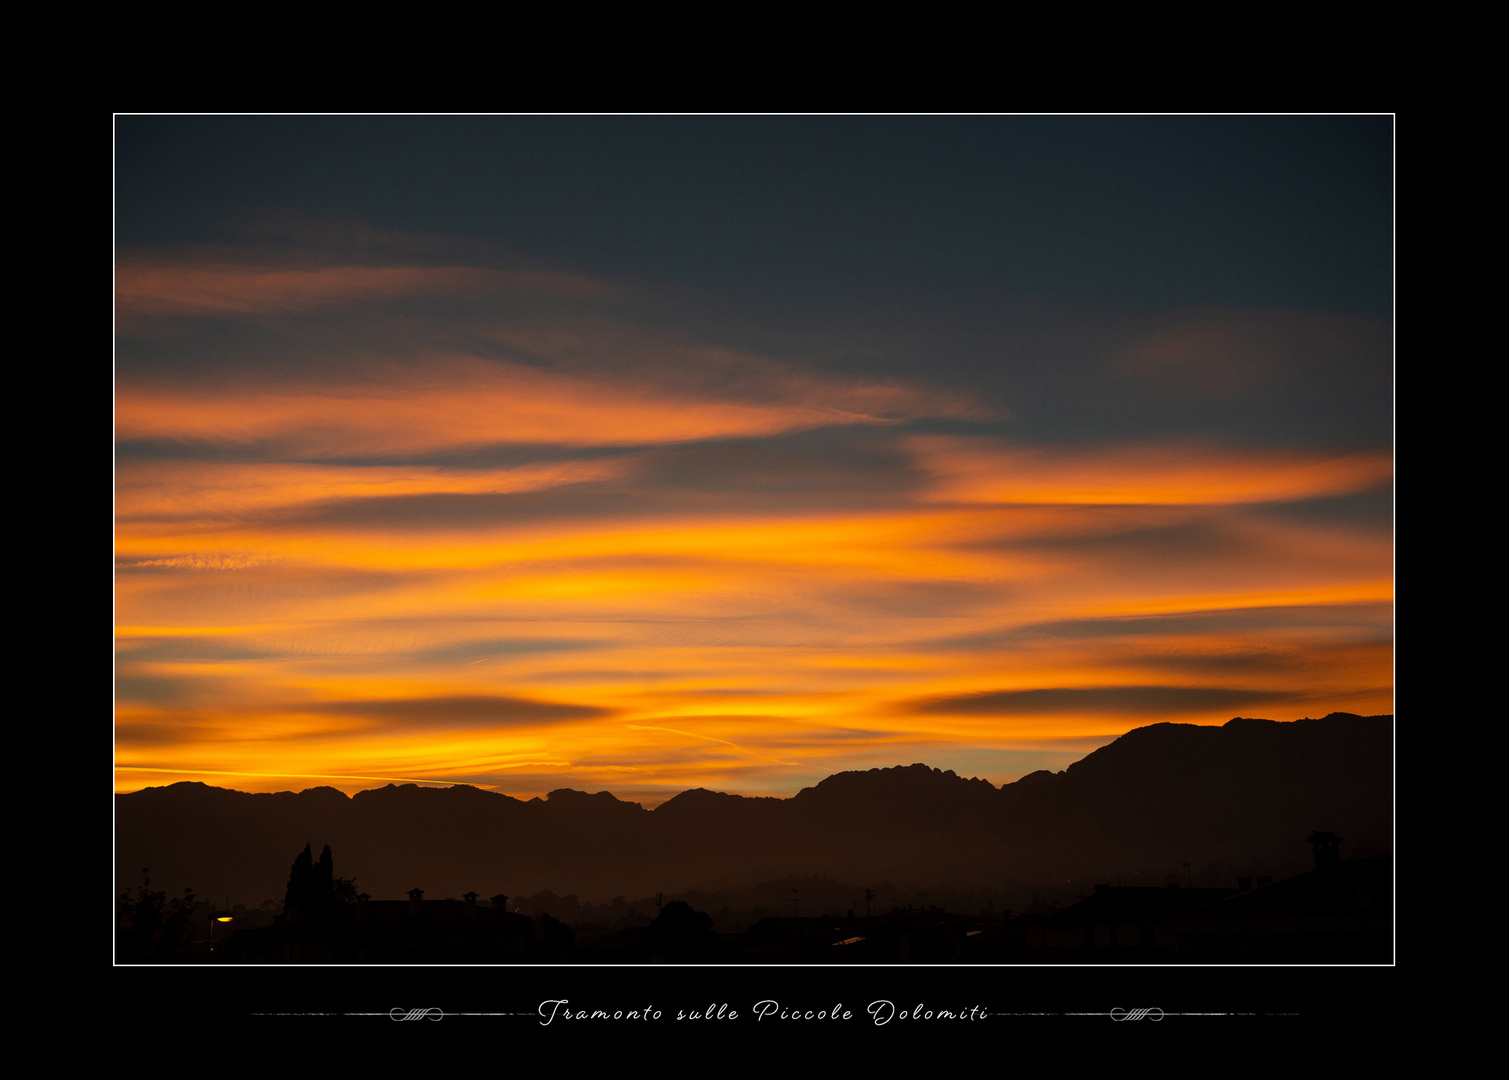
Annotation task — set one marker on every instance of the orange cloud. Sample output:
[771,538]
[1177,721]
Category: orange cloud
[456,401]
[985,470]
[1224,352]
[159,287]
[211,491]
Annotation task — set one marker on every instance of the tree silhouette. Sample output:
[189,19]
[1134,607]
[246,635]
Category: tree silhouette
[313,888]
[150,927]
[680,932]
[300,882]
[322,886]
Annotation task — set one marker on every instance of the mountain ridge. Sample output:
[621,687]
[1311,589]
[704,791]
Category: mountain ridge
[1156,797]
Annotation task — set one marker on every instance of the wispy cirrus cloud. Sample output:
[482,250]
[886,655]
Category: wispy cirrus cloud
[461,711]
[991,471]
[1226,352]
[228,491]
[456,401]
[146,286]
[1095,700]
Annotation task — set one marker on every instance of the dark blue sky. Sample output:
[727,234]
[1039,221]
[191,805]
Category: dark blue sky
[1067,269]
[1128,211]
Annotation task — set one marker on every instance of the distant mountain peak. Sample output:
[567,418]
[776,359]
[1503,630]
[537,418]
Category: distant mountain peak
[895,781]
[571,797]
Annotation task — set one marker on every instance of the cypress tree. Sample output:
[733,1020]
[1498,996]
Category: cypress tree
[300,881]
[322,887]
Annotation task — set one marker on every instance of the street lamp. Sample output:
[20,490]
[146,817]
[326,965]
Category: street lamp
[217,917]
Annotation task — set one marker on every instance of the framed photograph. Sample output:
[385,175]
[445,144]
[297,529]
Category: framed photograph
[853,572]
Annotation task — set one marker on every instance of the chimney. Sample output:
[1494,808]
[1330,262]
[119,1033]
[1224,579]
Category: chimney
[1327,848]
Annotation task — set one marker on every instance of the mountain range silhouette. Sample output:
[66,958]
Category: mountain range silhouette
[1234,799]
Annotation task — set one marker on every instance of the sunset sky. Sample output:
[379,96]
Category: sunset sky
[643,454]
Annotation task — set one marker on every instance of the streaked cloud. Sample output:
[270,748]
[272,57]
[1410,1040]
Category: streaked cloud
[985,470]
[1226,352]
[205,491]
[159,287]
[453,711]
[1095,700]
[458,401]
